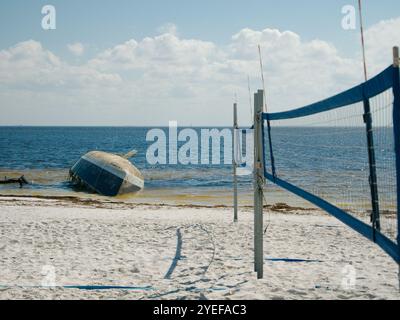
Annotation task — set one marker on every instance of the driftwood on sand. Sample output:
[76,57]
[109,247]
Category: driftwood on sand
[20,180]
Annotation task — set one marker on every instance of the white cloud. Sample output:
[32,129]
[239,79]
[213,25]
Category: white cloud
[297,72]
[161,78]
[27,62]
[77,48]
[380,39]
[169,28]
[29,65]
[162,53]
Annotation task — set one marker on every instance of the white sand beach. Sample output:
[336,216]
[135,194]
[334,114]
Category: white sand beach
[166,252]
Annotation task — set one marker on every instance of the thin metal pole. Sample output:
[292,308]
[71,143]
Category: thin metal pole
[264,109]
[271,151]
[396,127]
[234,158]
[255,185]
[251,107]
[375,216]
[258,184]
[362,39]
[373,181]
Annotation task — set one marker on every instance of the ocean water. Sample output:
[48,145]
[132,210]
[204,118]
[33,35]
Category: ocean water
[333,163]
[330,162]
[45,154]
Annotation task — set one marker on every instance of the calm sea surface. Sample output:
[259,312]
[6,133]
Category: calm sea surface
[45,154]
[329,161]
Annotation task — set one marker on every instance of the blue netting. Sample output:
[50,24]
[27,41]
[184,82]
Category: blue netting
[324,154]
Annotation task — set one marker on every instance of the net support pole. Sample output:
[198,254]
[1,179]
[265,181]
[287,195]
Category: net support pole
[234,158]
[255,201]
[372,168]
[271,151]
[370,140]
[396,127]
[259,181]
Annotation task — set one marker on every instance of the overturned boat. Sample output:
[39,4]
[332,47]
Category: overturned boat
[107,174]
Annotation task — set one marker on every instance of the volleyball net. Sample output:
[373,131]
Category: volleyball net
[342,154]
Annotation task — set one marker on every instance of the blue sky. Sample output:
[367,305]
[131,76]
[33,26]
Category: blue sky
[105,23]
[113,61]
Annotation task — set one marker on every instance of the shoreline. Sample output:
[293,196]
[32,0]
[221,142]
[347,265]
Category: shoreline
[43,200]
